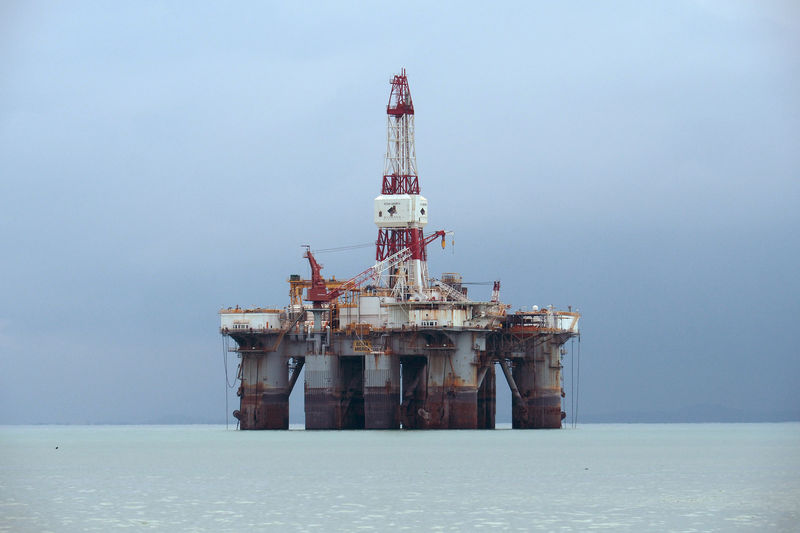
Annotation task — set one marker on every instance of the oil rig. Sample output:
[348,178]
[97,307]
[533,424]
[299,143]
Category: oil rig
[393,347]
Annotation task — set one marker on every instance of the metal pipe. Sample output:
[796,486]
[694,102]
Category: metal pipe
[295,375]
[510,379]
[481,375]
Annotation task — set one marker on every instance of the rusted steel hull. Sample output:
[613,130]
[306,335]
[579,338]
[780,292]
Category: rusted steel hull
[446,408]
[334,392]
[322,392]
[269,411]
[381,410]
[381,391]
[538,378]
[422,379]
[537,413]
[322,410]
[450,396]
[264,393]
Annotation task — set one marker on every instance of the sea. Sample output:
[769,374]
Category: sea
[611,477]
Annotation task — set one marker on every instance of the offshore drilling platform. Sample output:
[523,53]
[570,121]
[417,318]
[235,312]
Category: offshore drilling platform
[393,347]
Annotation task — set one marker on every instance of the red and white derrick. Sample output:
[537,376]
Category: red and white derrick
[400,211]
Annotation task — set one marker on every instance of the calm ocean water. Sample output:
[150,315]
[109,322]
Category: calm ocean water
[643,477]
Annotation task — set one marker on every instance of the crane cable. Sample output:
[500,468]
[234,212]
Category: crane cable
[228,385]
[578,383]
[572,380]
[344,248]
[225,350]
[225,362]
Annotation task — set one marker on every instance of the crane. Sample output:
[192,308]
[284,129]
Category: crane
[318,293]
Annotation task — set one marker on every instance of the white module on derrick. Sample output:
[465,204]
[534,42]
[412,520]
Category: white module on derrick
[401,211]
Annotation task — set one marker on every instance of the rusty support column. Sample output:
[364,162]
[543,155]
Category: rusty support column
[545,403]
[452,400]
[538,377]
[264,400]
[322,392]
[381,391]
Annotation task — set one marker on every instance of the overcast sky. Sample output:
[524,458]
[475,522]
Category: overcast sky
[639,161]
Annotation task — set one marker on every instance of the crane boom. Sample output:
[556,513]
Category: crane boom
[319,293]
[450,291]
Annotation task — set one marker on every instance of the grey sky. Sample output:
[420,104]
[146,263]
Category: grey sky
[637,160]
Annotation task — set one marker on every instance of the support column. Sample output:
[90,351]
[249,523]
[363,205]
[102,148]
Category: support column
[538,378]
[322,395]
[545,403]
[452,400]
[381,391]
[264,393]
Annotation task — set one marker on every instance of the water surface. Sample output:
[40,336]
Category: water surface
[638,477]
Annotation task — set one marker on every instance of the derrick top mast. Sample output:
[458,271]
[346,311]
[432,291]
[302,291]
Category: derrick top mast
[400,167]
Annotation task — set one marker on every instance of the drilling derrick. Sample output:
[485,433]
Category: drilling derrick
[400,211]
